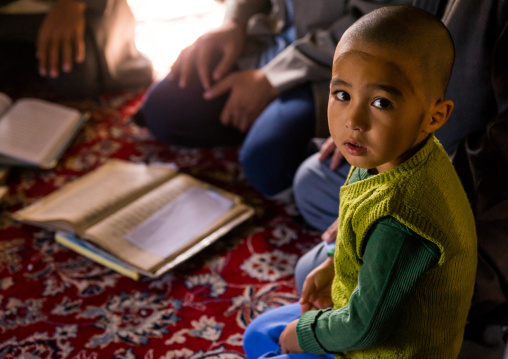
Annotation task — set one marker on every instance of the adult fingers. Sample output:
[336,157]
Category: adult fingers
[225,64]
[237,117]
[326,149]
[54,58]
[330,235]
[175,68]
[203,60]
[79,46]
[185,68]
[219,88]
[42,52]
[337,158]
[228,115]
[244,122]
[66,50]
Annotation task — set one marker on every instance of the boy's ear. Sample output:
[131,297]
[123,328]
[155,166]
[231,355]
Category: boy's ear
[440,113]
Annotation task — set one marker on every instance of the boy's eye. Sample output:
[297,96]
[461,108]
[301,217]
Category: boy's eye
[382,103]
[342,96]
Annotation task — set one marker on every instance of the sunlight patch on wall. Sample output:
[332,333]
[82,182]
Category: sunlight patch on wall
[165,27]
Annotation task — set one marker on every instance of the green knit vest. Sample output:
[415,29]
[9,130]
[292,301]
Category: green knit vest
[425,194]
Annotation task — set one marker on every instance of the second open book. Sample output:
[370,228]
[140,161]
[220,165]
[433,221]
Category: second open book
[150,217]
[34,132]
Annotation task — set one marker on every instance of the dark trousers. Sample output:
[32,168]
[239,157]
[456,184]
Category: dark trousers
[112,61]
[18,34]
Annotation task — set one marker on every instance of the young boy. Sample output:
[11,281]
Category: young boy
[400,282]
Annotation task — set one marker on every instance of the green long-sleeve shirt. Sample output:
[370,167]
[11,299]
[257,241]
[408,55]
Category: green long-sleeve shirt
[394,259]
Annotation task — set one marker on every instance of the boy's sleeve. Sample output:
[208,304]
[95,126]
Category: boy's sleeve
[394,259]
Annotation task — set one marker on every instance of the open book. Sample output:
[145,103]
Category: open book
[151,218]
[35,132]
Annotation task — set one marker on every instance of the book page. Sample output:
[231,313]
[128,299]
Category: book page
[96,195]
[178,222]
[111,233]
[31,129]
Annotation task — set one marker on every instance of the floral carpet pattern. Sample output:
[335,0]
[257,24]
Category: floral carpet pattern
[55,303]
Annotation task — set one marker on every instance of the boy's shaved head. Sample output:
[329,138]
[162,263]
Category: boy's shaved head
[413,32]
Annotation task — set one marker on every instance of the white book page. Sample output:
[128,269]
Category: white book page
[111,233]
[97,194]
[179,222]
[31,129]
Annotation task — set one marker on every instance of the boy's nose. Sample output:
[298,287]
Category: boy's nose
[356,118]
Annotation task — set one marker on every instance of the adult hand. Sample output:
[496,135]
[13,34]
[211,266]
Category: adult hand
[61,38]
[330,149]
[330,235]
[227,40]
[288,339]
[250,93]
[317,288]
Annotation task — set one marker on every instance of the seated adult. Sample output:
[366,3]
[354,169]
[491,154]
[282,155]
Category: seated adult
[82,47]
[262,79]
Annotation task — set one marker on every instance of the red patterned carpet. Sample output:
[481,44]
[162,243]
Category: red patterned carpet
[55,303]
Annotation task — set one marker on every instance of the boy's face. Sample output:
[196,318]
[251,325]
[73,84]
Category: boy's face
[377,106]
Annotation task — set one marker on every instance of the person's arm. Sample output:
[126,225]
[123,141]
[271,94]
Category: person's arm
[394,260]
[240,11]
[310,58]
[61,38]
[226,42]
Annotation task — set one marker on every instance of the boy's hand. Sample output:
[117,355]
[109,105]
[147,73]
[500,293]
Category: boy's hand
[317,288]
[61,35]
[228,40]
[288,339]
[330,149]
[250,93]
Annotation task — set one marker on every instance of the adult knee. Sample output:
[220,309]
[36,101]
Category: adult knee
[306,193]
[159,114]
[316,189]
[259,170]
[182,117]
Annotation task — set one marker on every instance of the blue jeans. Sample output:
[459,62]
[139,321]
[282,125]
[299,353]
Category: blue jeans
[261,338]
[277,142]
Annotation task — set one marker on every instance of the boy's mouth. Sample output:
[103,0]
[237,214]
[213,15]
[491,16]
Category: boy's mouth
[354,148]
